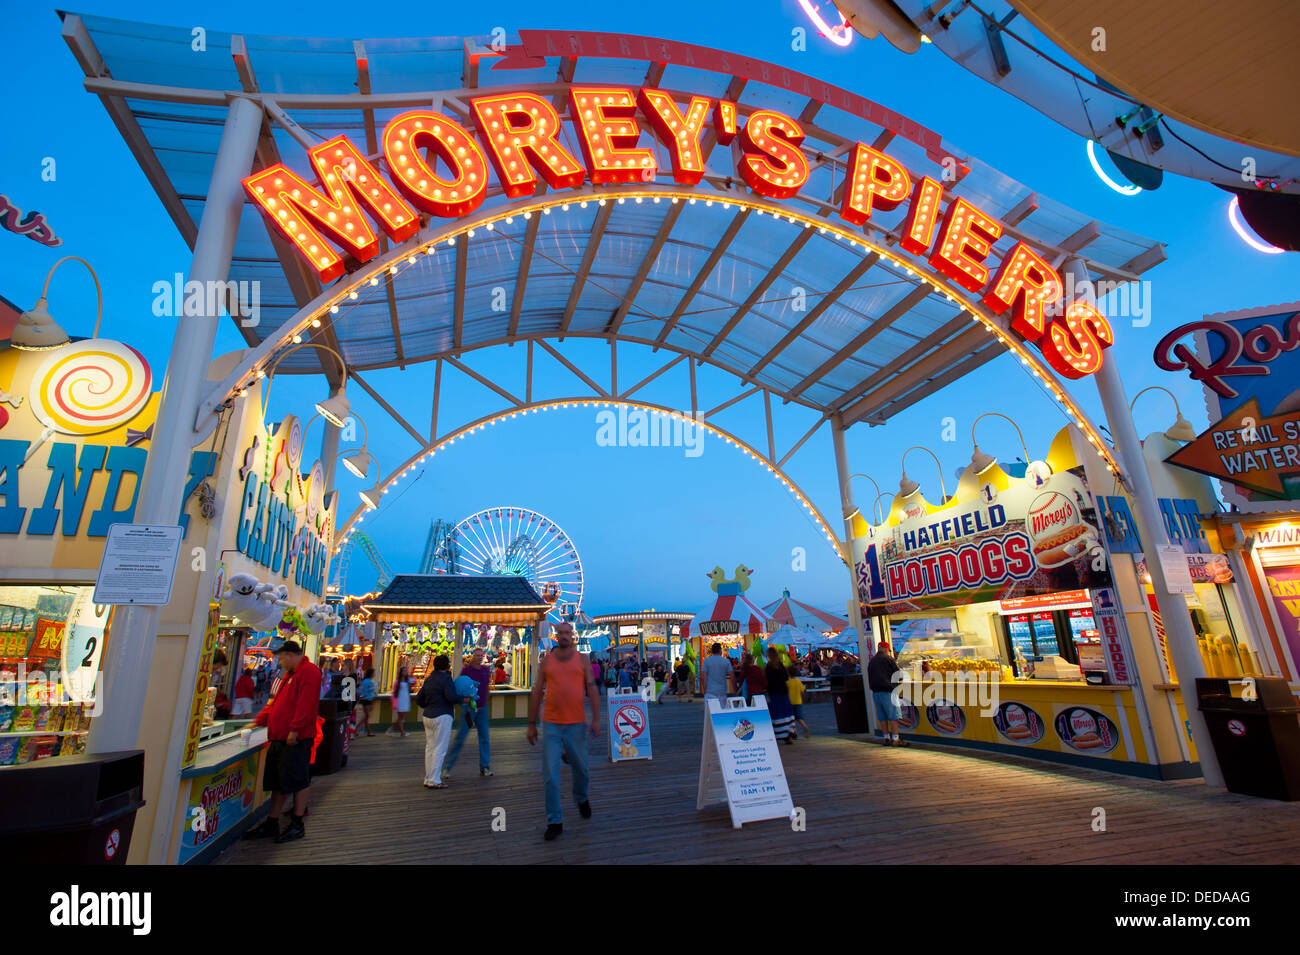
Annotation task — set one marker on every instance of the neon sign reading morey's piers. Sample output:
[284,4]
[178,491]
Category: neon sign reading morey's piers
[519,135]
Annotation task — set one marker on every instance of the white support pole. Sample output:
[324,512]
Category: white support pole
[131,644]
[1174,614]
[847,509]
[329,451]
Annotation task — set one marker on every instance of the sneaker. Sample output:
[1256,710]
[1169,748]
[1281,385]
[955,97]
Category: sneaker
[552,831]
[295,830]
[485,771]
[269,829]
[902,742]
[584,810]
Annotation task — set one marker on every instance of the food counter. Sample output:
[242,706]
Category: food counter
[1060,721]
[221,795]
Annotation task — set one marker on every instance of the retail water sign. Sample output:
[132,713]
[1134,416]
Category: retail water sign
[1033,537]
[521,137]
[1249,365]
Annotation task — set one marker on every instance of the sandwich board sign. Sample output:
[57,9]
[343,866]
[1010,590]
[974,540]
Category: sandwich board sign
[740,763]
[629,725]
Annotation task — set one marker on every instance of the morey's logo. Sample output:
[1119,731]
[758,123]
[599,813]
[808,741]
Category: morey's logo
[77,908]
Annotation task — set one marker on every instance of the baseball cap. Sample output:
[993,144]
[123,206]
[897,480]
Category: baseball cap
[289,646]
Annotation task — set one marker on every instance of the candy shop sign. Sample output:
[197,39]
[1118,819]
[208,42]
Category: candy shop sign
[284,519]
[436,167]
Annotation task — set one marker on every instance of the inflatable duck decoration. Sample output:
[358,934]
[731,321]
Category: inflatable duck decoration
[729,588]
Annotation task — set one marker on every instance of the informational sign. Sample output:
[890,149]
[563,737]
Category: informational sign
[194,728]
[139,564]
[1203,568]
[1061,601]
[1178,579]
[1034,537]
[718,628]
[1114,635]
[741,764]
[216,805]
[629,726]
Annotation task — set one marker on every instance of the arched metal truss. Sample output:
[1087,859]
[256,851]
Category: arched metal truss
[773,466]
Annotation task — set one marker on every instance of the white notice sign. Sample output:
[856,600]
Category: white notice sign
[740,763]
[1178,578]
[139,564]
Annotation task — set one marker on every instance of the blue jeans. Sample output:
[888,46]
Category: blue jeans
[571,737]
[484,749]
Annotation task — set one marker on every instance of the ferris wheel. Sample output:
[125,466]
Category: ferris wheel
[520,542]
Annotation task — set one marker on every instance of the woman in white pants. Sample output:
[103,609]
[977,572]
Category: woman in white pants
[438,699]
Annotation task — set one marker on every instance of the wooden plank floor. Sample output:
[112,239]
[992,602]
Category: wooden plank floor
[864,803]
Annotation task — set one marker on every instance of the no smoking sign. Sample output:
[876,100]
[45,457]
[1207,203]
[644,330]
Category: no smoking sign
[629,720]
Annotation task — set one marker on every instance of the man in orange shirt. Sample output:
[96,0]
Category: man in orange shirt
[565,678]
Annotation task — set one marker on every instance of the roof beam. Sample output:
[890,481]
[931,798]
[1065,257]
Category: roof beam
[1081,237]
[815,312]
[647,262]
[654,74]
[981,357]
[651,377]
[521,278]
[800,443]
[458,316]
[870,332]
[577,372]
[719,250]
[1022,210]
[752,390]
[931,341]
[969,341]
[487,383]
[760,290]
[419,438]
[588,257]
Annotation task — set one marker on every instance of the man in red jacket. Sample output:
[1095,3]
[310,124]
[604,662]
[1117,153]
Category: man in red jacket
[290,719]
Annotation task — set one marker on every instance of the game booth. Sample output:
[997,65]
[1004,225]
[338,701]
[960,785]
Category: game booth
[428,614]
[646,636]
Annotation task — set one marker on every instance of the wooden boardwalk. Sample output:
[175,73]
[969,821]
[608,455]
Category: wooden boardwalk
[864,804]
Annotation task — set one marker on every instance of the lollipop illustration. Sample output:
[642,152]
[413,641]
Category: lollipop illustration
[89,387]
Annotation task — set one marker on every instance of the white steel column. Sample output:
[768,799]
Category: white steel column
[847,509]
[1179,635]
[131,644]
[329,451]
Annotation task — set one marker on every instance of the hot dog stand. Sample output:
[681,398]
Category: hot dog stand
[1009,597]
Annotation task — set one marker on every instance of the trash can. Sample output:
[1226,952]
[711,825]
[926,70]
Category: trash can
[71,810]
[334,738]
[850,699]
[1256,740]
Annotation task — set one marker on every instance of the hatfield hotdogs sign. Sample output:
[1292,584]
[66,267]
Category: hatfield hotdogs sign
[1032,538]
[437,167]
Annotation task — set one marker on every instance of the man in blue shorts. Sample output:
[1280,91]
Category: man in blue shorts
[880,677]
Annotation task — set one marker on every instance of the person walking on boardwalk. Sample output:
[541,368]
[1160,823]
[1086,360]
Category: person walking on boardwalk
[438,699]
[683,674]
[794,686]
[481,674]
[401,701]
[880,677]
[778,696]
[564,679]
[715,674]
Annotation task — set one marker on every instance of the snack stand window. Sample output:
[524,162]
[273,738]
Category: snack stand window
[51,642]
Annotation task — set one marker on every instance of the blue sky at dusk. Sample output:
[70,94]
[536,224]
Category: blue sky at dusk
[648,522]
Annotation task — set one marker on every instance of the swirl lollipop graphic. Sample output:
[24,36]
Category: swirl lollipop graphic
[89,387]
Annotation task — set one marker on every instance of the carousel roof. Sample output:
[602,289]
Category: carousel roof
[452,592]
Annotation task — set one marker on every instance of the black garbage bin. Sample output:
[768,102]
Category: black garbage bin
[71,810]
[1256,740]
[334,730]
[850,699]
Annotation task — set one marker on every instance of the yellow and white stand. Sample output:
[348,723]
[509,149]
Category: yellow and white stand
[740,763]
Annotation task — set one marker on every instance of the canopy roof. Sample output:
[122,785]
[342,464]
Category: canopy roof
[804,315]
[787,610]
[428,598]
